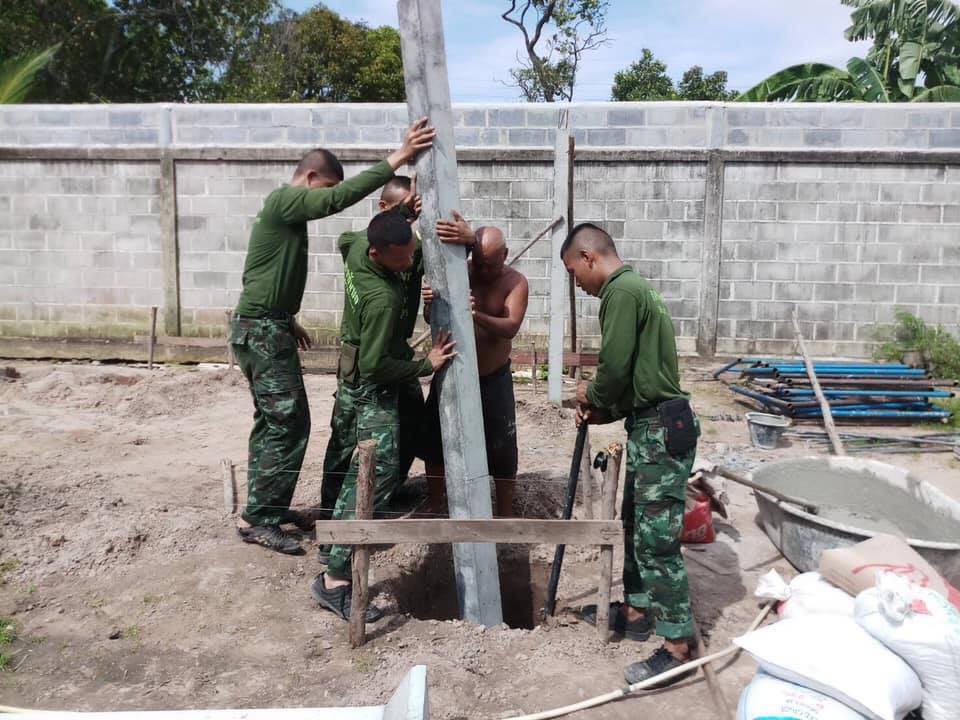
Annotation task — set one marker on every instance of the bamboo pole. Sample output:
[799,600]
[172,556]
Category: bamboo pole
[361,553]
[229,486]
[824,405]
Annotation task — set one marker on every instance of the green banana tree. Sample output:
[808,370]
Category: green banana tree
[915,56]
[18,74]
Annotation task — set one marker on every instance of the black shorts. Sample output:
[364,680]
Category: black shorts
[499,424]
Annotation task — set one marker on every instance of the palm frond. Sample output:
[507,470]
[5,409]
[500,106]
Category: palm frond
[808,82]
[18,74]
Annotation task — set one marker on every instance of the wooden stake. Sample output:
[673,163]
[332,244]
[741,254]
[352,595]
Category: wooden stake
[361,553]
[824,405]
[608,503]
[153,336]
[229,314]
[229,486]
[535,373]
[710,675]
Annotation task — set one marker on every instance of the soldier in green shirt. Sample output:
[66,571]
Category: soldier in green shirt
[399,193]
[265,336]
[376,363]
[638,379]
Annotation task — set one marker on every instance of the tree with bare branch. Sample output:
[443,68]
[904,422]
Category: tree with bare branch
[556,34]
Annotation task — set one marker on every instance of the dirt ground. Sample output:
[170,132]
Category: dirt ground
[129,588]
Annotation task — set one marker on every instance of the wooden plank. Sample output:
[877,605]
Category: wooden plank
[558,273]
[461,416]
[498,530]
[197,342]
[360,566]
[611,477]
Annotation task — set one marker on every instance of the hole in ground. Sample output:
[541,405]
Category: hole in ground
[426,587]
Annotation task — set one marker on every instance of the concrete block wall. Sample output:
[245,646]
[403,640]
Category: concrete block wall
[82,236]
[846,244]
[79,248]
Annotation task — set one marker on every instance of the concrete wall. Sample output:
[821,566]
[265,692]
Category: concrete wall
[735,212]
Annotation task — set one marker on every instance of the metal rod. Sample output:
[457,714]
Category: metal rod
[551,601]
[153,337]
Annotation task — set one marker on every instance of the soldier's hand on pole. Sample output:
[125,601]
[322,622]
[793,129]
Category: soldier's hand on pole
[456,231]
[582,394]
[413,201]
[418,138]
[442,351]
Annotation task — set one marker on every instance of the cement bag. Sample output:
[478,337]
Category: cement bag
[768,698]
[806,594]
[854,568]
[923,628]
[833,655]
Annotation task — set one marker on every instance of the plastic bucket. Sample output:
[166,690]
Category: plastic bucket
[766,430]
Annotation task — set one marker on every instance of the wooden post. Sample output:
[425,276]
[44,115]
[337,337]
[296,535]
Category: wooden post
[535,371]
[824,405]
[608,503]
[229,486]
[461,415]
[361,553]
[586,479]
[571,284]
[153,337]
[558,273]
[229,314]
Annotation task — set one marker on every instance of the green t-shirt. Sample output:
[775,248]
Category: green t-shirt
[410,282]
[374,301]
[275,271]
[638,349]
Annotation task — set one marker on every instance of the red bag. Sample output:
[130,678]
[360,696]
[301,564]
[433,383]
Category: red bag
[697,519]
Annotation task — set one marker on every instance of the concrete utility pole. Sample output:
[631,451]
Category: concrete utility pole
[461,417]
[558,273]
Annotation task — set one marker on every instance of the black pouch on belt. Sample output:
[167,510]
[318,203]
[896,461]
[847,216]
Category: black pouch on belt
[676,416]
[348,365]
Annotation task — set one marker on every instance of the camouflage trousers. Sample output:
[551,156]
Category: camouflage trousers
[387,414]
[654,576]
[266,352]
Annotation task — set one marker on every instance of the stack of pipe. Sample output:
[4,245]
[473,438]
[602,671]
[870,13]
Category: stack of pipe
[856,390]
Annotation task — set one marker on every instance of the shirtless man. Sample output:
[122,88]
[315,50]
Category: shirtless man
[499,303]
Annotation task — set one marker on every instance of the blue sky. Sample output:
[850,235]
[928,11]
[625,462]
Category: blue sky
[747,38]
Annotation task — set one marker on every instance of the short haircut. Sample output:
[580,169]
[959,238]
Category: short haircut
[397,185]
[323,162]
[388,228]
[590,236]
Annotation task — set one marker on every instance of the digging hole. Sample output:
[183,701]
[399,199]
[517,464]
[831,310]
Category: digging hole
[426,587]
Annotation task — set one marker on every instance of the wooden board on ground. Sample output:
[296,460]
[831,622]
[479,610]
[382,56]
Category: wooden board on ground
[506,530]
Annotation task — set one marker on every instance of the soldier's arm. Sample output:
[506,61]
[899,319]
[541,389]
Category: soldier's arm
[299,204]
[376,364]
[514,307]
[617,351]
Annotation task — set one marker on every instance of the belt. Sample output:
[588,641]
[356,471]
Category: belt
[644,413]
[269,315]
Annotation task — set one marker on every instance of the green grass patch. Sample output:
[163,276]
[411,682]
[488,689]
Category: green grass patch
[8,634]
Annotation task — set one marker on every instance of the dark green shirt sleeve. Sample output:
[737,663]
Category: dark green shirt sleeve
[299,204]
[620,320]
[376,364]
